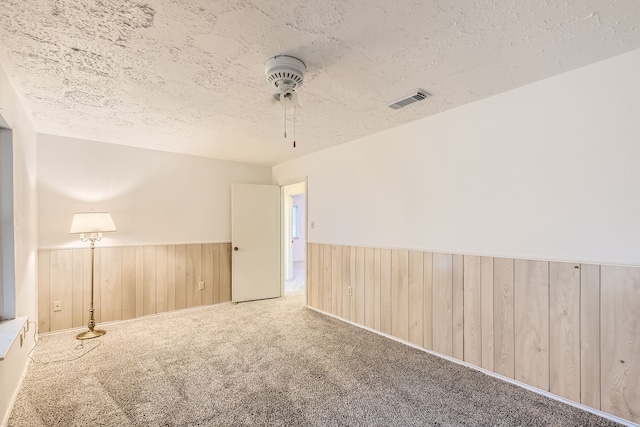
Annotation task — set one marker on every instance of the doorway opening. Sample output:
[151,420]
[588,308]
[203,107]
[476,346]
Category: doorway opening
[7,246]
[294,208]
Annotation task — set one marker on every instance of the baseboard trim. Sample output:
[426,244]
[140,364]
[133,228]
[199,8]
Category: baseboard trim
[550,395]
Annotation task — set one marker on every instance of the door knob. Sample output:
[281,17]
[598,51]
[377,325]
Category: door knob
[235,248]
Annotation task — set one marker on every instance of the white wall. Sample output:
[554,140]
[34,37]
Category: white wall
[154,197]
[299,246]
[25,231]
[546,171]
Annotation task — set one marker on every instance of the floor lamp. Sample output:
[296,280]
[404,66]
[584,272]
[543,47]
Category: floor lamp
[90,226]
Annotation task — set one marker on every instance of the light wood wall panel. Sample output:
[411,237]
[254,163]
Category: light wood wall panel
[620,336]
[110,283]
[416,297]
[86,282]
[181,277]
[590,335]
[443,303]
[61,276]
[194,274]
[319,276]
[400,294]
[427,306]
[531,315]
[327,274]
[473,310]
[149,290]
[351,290]
[162,278]
[503,322]
[323,292]
[128,281]
[377,263]
[457,297]
[311,283]
[77,286]
[321,286]
[346,283]
[564,330]
[208,259]
[336,280]
[359,294]
[171,278]
[369,297]
[44,296]
[97,278]
[225,271]
[312,272]
[486,306]
[385,291]
[216,279]
[140,281]
[542,323]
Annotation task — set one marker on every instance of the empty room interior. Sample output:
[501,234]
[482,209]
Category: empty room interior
[319,213]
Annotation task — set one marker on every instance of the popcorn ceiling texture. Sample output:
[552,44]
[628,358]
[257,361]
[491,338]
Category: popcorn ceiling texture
[188,76]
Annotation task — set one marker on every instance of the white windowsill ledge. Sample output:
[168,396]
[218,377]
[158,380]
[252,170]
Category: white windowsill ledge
[9,331]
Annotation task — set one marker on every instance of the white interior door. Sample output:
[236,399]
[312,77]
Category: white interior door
[255,235]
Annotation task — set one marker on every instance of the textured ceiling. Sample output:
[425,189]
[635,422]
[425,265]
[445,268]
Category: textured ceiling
[188,75]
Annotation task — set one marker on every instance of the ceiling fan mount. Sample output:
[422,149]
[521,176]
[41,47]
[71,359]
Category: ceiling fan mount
[285,73]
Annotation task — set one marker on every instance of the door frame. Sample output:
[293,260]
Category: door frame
[285,229]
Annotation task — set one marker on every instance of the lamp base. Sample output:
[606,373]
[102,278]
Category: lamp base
[87,335]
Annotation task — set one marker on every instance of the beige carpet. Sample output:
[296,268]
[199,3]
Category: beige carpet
[264,363]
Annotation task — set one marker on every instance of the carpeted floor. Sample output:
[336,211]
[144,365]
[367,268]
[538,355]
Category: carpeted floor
[264,363]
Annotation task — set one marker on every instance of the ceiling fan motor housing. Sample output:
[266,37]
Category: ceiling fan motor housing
[285,72]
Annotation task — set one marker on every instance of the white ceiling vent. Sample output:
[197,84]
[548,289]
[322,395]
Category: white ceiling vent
[415,96]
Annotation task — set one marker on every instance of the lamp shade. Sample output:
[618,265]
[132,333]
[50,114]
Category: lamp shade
[92,222]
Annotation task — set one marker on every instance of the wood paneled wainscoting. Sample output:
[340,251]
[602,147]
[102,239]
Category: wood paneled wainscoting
[130,281]
[566,328]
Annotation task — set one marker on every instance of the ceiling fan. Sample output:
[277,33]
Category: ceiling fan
[286,74]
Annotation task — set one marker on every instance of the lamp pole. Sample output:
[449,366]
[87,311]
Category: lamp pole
[90,226]
[91,333]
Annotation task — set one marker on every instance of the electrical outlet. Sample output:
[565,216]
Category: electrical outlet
[57,306]
[201,285]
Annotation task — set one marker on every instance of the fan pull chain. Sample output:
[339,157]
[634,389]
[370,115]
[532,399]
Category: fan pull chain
[294,128]
[285,123]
